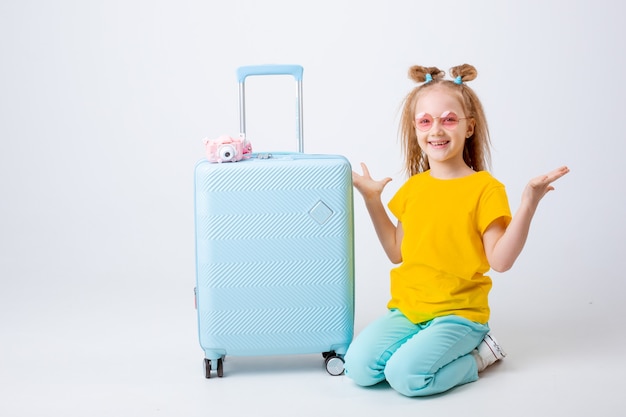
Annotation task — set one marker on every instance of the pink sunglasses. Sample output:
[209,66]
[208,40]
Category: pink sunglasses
[448,119]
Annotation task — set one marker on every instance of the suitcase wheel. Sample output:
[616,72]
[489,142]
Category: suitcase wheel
[334,363]
[208,367]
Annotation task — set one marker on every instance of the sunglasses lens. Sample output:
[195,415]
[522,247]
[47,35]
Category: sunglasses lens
[424,122]
[450,121]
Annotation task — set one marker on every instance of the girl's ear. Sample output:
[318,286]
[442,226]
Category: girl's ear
[470,128]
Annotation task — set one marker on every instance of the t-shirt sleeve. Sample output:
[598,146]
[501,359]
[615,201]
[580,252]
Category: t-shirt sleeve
[494,204]
[397,203]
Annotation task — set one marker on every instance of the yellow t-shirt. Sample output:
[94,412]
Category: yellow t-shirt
[443,260]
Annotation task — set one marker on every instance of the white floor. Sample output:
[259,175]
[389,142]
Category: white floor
[135,356]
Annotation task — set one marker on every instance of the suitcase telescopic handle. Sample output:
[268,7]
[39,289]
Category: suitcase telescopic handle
[250,70]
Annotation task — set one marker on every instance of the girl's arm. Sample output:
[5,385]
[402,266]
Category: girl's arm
[504,244]
[390,235]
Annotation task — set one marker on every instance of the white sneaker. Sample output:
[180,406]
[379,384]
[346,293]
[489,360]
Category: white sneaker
[488,352]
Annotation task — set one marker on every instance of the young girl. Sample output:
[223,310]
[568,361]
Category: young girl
[454,224]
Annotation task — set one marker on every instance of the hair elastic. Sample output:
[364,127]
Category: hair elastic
[458,80]
[428,79]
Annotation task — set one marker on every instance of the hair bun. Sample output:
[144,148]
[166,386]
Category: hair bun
[467,72]
[418,73]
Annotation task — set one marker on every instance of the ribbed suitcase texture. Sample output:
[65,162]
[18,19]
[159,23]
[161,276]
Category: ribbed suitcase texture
[275,257]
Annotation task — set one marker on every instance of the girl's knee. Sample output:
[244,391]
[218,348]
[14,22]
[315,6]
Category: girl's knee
[423,381]
[362,369]
[406,381]
[362,376]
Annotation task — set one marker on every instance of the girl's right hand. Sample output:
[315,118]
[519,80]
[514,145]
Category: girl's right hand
[368,187]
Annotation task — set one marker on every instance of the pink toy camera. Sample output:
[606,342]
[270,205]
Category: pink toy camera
[227,149]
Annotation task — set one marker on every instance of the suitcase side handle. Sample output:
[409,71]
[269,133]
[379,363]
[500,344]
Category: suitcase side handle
[293,70]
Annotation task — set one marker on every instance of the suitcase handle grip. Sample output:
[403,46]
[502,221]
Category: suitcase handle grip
[293,70]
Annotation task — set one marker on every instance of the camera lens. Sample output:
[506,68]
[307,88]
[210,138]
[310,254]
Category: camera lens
[227,152]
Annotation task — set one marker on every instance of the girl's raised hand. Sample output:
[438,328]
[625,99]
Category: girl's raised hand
[367,186]
[541,185]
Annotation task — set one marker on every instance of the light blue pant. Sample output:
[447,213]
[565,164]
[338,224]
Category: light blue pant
[415,359]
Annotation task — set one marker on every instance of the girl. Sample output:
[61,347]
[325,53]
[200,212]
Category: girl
[454,224]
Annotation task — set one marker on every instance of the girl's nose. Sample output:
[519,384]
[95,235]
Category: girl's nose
[437,127]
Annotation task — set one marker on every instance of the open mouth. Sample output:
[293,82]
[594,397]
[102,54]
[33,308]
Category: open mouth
[439,144]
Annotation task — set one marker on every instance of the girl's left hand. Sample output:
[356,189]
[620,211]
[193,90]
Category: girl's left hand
[541,185]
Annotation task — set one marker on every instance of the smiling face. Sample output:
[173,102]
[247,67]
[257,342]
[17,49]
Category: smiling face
[437,136]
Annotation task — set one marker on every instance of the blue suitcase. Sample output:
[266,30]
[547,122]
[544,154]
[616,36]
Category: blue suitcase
[274,251]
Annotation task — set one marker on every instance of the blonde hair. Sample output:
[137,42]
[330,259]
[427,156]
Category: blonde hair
[476,153]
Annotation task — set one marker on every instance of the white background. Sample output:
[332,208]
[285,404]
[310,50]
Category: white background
[103,108]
